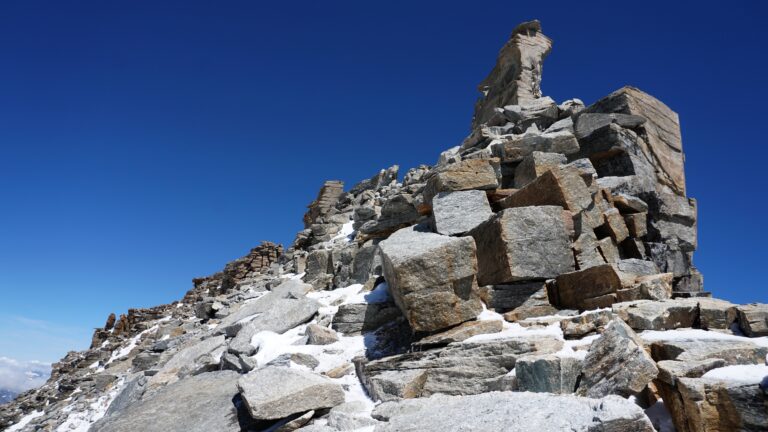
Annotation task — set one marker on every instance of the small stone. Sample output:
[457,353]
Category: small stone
[318,335]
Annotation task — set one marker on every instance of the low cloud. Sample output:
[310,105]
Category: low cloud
[19,376]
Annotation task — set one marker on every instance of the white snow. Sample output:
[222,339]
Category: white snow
[380,294]
[741,374]
[511,330]
[577,348]
[695,334]
[660,417]
[24,421]
[81,421]
[345,232]
[489,315]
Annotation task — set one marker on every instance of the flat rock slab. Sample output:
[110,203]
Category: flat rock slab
[523,243]
[201,403]
[658,315]
[458,369]
[461,332]
[273,393]
[458,212]
[512,412]
[431,278]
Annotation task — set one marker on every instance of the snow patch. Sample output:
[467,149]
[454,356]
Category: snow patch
[695,334]
[81,421]
[24,421]
[741,374]
[511,330]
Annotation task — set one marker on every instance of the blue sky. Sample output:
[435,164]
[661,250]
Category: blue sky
[145,143]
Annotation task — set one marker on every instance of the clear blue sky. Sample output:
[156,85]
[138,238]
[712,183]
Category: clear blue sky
[143,143]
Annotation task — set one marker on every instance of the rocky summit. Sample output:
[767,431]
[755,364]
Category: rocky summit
[538,277]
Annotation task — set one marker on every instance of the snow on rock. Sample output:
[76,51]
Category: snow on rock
[742,374]
[695,334]
[81,421]
[25,421]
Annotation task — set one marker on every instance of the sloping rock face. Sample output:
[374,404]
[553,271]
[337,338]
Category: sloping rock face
[512,412]
[538,277]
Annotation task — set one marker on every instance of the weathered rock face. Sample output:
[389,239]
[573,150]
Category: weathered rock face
[458,212]
[200,403]
[517,76]
[617,364]
[432,278]
[514,412]
[523,243]
[548,374]
[458,369]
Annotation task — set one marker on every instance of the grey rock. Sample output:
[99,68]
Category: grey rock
[716,314]
[129,395]
[585,324]
[350,416]
[284,360]
[431,278]
[284,314]
[516,78]
[458,369]
[460,211]
[460,332]
[144,361]
[661,131]
[617,363]
[196,404]
[364,317]
[236,320]
[658,315]
[521,244]
[702,404]
[586,123]
[515,148]
[397,212]
[197,356]
[559,186]
[536,164]
[547,373]
[273,393]
[753,319]
[512,412]
[707,346]
[505,297]
[464,175]
[318,335]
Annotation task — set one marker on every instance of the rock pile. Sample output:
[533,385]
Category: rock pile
[539,277]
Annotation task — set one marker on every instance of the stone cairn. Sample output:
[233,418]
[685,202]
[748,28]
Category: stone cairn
[538,277]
